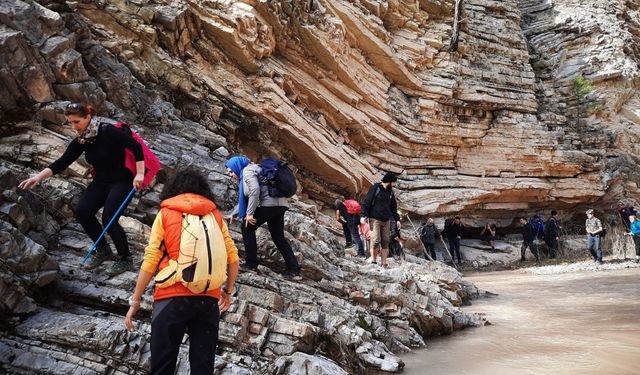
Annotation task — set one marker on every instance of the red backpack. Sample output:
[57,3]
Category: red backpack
[151,162]
[353,207]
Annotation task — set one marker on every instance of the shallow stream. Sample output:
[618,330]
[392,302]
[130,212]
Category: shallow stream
[571,323]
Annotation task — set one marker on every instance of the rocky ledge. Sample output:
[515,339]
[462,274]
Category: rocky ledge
[345,316]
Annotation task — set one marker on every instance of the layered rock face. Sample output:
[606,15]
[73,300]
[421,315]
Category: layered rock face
[347,90]
[344,91]
[343,317]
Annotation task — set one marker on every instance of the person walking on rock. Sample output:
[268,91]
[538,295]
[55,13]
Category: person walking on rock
[177,307]
[104,148]
[341,218]
[634,225]
[379,207]
[551,234]
[256,207]
[594,228]
[428,235]
[528,236]
[349,211]
[453,232]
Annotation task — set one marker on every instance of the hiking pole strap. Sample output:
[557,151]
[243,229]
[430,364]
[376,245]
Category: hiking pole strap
[124,203]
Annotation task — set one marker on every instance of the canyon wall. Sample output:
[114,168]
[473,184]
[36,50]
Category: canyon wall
[537,108]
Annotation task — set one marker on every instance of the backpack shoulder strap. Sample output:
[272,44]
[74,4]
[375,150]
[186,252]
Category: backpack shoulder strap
[218,217]
[375,195]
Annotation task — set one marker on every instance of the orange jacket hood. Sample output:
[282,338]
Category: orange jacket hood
[189,203]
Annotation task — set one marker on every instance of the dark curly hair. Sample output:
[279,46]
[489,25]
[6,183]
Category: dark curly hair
[187,181]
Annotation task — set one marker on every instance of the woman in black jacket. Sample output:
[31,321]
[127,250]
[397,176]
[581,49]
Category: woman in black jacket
[104,147]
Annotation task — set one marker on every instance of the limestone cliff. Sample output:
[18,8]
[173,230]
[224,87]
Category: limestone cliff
[345,90]
[537,108]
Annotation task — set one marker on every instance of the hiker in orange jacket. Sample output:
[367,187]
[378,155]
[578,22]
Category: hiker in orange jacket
[176,308]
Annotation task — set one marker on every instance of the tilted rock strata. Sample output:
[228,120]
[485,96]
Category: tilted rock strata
[344,90]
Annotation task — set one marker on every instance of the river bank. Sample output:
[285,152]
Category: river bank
[545,323]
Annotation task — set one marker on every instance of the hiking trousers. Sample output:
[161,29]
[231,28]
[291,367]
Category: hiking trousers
[454,248]
[172,317]
[108,196]
[347,233]
[552,243]
[274,217]
[431,248]
[352,222]
[532,247]
[636,241]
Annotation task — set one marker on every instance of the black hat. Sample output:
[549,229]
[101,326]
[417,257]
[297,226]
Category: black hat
[389,177]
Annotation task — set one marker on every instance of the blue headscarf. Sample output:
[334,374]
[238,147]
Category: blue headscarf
[237,165]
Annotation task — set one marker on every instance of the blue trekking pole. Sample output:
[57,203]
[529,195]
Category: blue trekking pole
[108,225]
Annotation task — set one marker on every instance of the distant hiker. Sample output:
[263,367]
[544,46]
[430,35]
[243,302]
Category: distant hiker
[594,228]
[365,234]
[488,234]
[396,241]
[538,226]
[635,232]
[257,206]
[349,211]
[428,235]
[341,218]
[379,206]
[528,237]
[104,147]
[551,234]
[624,210]
[453,232]
[194,253]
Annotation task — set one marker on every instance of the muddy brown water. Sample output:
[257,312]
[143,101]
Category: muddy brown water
[572,323]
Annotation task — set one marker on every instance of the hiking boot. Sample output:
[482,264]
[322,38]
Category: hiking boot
[122,264]
[101,254]
[522,260]
[292,275]
[244,267]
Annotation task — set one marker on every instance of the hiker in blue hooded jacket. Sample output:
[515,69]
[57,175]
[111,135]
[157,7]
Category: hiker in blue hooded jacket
[104,148]
[379,206]
[256,207]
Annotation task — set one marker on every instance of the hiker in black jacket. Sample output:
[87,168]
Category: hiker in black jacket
[379,206]
[528,235]
[428,235]
[453,232]
[103,146]
[551,235]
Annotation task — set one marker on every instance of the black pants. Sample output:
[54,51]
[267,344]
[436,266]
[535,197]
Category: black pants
[532,247]
[274,217]
[110,196]
[197,315]
[636,241]
[454,248]
[352,223]
[431,248]
[346,230]
[552,243]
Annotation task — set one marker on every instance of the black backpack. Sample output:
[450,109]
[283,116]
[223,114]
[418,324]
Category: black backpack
[278,177]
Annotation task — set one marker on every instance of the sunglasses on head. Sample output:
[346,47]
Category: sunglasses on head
[75,109]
